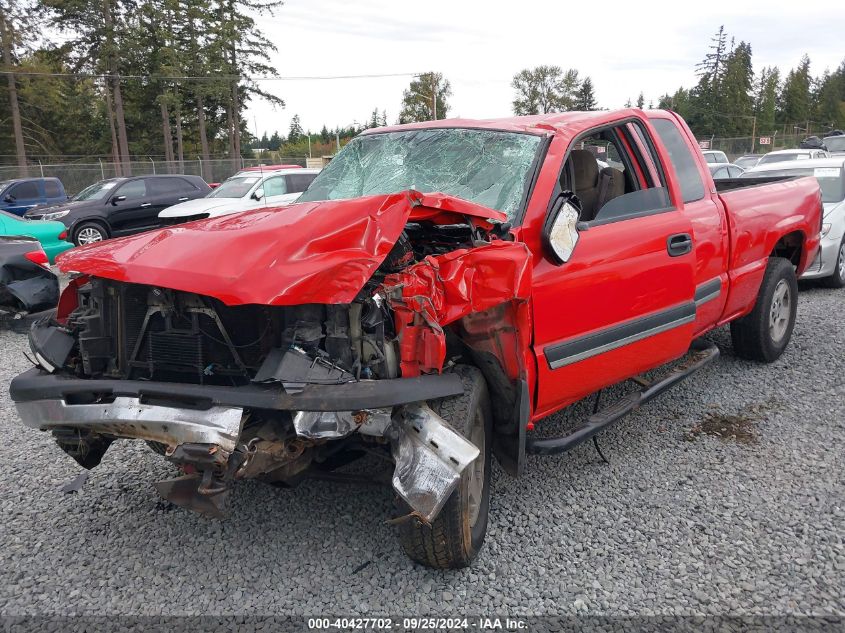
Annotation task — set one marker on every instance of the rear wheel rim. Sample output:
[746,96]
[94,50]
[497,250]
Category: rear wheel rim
[780,312]
[89,235]
[475,471]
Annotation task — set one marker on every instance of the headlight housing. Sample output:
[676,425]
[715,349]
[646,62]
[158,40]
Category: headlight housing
[55,215]
[825,229]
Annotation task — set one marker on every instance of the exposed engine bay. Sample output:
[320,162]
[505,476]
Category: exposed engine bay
[138,332]
[145,334]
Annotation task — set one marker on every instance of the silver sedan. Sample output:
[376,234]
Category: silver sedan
[829,264]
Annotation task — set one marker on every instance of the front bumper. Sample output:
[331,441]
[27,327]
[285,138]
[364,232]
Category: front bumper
[201,425]
[36,384]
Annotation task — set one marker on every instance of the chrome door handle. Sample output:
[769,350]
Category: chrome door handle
[183,199]
[146,204]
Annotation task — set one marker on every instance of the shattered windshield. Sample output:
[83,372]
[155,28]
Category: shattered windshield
[487,167]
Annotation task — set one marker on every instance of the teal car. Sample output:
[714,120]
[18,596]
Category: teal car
[50,234]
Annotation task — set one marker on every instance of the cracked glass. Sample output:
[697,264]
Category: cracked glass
[487,167]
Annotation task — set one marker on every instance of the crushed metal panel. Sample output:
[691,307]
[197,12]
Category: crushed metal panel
[324,424]
[430,457]
[129,418]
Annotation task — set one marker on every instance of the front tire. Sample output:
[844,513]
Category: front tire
[764,334]
[837,279]
[455,537]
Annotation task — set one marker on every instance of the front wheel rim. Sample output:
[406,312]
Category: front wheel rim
[841,262]
[780,312]
[475,474]
[89,235]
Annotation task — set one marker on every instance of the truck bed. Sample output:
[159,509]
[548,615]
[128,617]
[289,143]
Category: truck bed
[729,184]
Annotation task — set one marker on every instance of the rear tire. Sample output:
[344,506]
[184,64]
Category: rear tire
[89,233]
[837,279]
[455,537]
[764,334]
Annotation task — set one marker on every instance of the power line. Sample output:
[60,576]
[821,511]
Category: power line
[207,77]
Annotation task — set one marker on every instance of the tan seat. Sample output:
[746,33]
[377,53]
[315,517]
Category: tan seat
[585,181]
[611,185]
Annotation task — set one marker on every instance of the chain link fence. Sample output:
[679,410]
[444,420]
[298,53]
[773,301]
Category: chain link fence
[737,146]
[75,176]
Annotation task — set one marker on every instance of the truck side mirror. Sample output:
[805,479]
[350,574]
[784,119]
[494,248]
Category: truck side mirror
[257,194]
[560,232]
[117,199]
[9,198]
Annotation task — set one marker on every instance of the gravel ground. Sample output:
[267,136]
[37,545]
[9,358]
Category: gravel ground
[679,522]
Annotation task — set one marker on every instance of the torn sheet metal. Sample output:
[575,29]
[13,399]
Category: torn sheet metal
[430,457]
[129,418]
[443,289]
[336,424]
[311,252]
[324,424]
[24,285]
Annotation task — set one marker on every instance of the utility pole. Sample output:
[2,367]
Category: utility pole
[753,132]
[433,97]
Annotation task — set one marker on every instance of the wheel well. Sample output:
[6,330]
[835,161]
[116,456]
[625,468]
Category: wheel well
[790,247]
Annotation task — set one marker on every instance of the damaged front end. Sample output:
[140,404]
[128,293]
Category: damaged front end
[27,285]
[283,391]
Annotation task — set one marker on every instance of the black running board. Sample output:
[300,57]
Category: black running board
[700,354]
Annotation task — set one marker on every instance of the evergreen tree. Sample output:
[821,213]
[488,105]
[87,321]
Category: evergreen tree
[829,98]
[736,92]
[295,132]
[794,104]
[274,144]
[585,98]
[766,98]
[640,101]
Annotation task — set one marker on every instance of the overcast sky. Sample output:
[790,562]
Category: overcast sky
[624,45]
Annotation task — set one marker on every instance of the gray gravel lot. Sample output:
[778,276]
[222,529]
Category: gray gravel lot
[679,522]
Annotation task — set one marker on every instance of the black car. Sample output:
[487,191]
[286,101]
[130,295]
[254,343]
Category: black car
[120,206]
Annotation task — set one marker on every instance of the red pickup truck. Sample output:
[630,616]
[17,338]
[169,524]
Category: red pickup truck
[437,291]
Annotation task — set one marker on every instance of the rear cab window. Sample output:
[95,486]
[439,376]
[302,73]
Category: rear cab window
[24,191]
[52,189]
[686,167]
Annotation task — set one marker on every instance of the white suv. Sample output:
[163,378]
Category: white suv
[248,189]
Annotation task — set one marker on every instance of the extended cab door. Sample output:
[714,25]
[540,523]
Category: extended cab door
[705,212]
[624,302]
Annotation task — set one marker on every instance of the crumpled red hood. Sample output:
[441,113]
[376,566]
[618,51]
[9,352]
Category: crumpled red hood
[312,252]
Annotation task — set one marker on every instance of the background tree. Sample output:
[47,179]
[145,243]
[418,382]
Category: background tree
[295,132]
[736,92]
[794,104]
[16,19]
[829,98]
[765,98]
[545,89]
[585,98]
[426,99]
[641,101]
